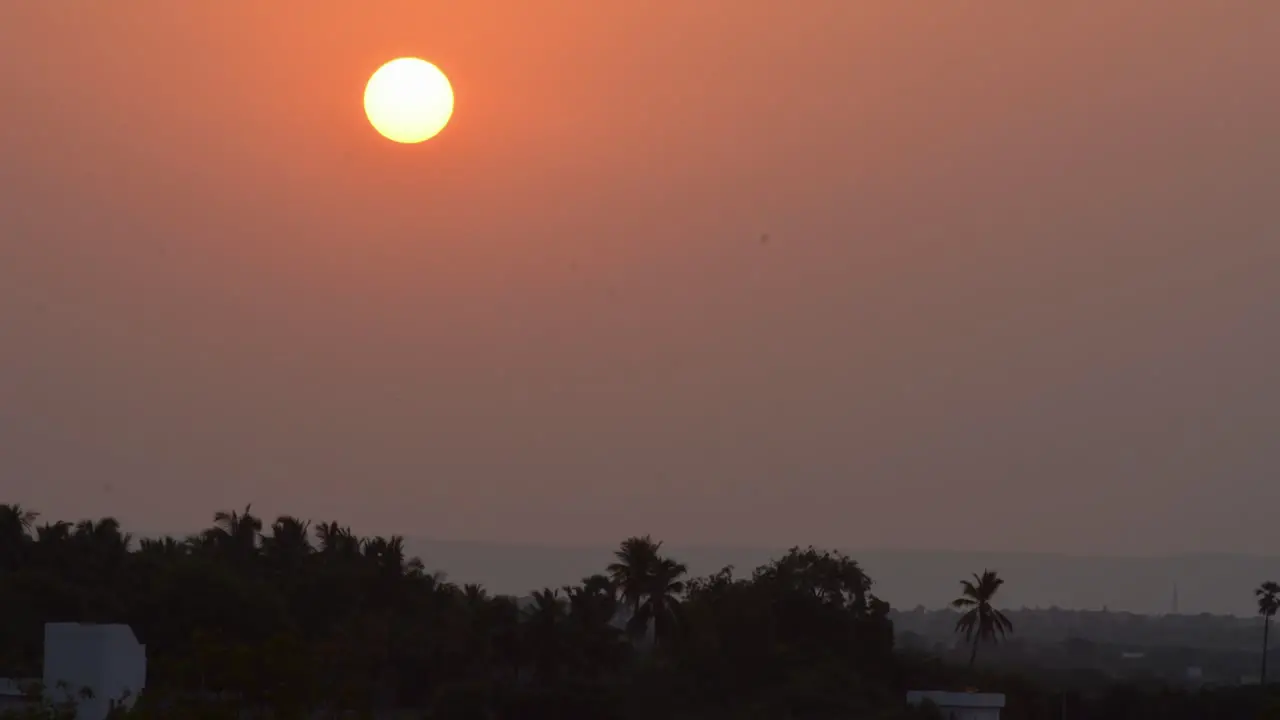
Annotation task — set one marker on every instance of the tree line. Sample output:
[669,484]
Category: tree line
[302,617]
[294,619]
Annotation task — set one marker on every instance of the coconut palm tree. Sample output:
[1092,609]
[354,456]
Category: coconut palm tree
[632,573]
[102,547]
[661,607]
[393,577]
[595,641]
[594,603]
[15,533]
[235,533]
[103,537]
[337,540]
[474,596]
[165,548]
[54,532]
[980,622]
[473,611]
[507,643]
[1268,594]
[53,544]
[388,556]
[289,542]
[544,621]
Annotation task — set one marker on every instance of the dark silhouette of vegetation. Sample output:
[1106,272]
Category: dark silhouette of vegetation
[294,619]
[304,618]
[1268,603]
[981,622]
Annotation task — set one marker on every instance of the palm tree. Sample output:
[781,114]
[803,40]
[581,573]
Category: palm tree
[394,576]
[661,608]
[388,556]
[103,536]
[508,647]
[53,542]
[543,623]
[165,548]
[15,533]
[637,560]
[235,533]
[289,543]
[474,596]
[1268,594]
[980,621]
[102,545]
[594,640]
[337,540]
[16,520]
[594,603]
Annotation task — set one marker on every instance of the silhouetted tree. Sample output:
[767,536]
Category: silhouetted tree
[15,534]
[1268,594]
[981,622]
[305,620]
[632,573]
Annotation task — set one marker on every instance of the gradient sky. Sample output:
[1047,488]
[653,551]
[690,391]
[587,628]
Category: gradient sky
[1020,291]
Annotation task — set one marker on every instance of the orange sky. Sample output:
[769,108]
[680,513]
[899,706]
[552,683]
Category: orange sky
[1020,289]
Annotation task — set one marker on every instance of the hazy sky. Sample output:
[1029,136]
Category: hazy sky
[1021,288]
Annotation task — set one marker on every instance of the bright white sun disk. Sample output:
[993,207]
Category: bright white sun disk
[408,100]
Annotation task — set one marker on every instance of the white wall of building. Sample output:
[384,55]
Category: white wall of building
[106,659]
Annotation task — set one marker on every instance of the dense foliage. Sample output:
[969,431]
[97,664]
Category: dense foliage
[296,618]
[292,620]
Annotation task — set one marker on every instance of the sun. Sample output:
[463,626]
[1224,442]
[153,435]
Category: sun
[408,100]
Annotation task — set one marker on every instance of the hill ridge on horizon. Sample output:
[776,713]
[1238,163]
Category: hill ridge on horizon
[851,550]
[1216,582]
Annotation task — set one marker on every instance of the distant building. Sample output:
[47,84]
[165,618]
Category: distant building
[961,705]
[107,660]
